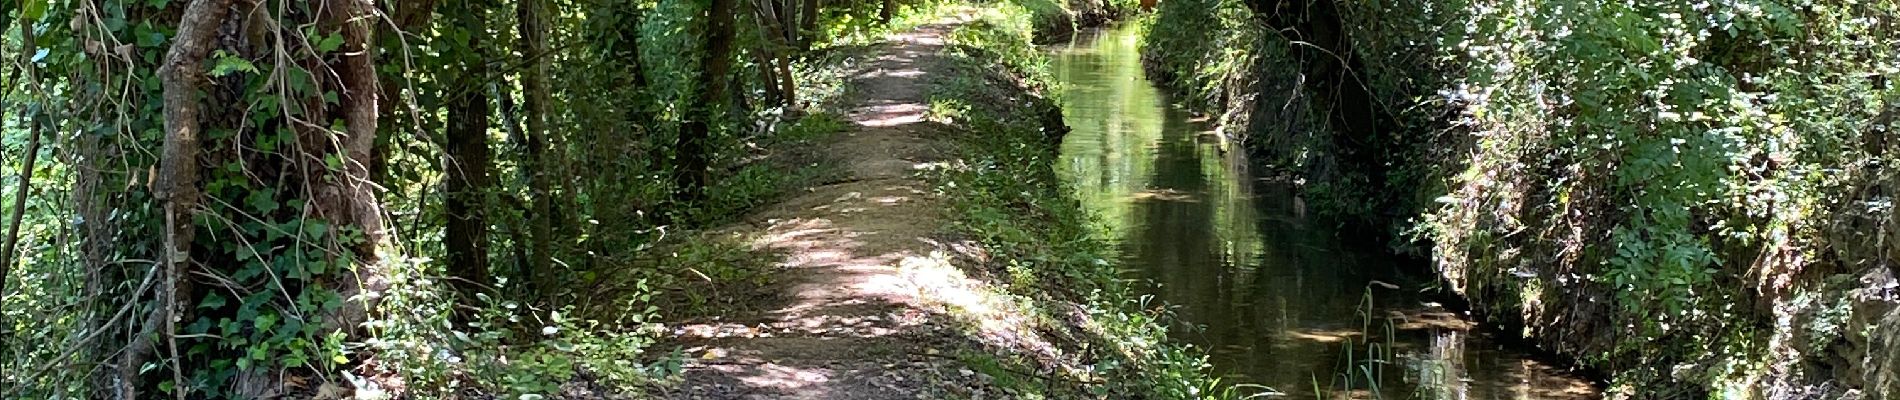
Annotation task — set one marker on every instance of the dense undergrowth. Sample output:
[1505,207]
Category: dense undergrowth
[1041,245]
[1695,197]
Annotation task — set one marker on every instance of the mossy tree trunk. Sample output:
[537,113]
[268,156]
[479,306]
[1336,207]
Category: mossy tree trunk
[532,18]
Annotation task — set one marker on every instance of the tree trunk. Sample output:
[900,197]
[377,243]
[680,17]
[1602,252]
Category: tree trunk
[409,16]
[775,65]
[176,185]
[768,77]
[788,83]
[692,176]
[468,182]
[534,86]
[808,25]
[787,23]
[347,198]
[887,11]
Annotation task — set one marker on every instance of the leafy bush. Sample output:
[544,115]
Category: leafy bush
[506,348]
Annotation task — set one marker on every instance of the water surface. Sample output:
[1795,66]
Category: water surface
[1277,298]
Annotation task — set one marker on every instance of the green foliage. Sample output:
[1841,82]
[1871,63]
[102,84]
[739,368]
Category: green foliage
[1687,109]
[1002,32]
[755,184]
[267,265]
[1047,19]
[1683,161]
[509,348]
[707,274]
[1180,37]
[255,298]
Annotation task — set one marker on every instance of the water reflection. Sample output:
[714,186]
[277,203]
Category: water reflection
[1281,302]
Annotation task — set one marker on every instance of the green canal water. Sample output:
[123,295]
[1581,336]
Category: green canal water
[1272,293]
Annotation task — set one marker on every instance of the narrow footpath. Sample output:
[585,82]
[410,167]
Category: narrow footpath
[866,266]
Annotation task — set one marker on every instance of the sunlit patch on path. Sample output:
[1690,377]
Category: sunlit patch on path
[867,311]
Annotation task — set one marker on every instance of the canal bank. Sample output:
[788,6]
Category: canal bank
[1268,288]
[1694,198]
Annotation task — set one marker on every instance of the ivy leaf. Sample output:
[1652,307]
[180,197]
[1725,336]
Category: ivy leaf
[34,9]
[315,230]
[329,43]
[227,63]
[300,81]
[212,300]
[265,322]
[262,202]
[150,38]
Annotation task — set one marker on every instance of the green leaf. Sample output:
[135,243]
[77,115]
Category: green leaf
[262,202]
[228,63]
[34,9]
[212,300]
[315,229]
[329,43]
[150,38]
[265,322]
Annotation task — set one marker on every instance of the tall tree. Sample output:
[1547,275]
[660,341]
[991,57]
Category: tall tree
[808,25]
[468,183]
[532,18]
[407,19]
[774,20]
[696,132]
[348,197]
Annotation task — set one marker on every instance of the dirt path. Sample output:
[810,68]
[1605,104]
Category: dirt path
[860,318]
